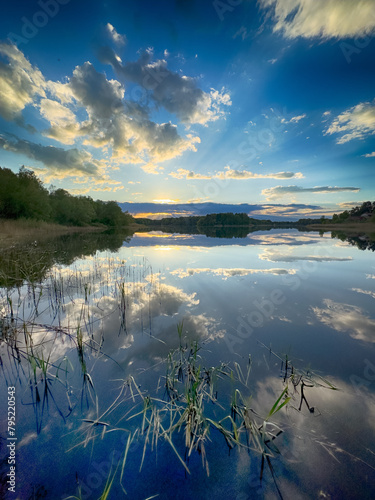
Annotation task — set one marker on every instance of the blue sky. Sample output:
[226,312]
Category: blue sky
[269,103]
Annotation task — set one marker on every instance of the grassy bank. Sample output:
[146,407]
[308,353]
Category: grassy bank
[24,230]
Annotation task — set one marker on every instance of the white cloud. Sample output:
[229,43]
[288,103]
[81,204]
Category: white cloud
[294,119]
[55,113]
[272,255]
[346,318]
[124,126]
[113,122]
[183,173]
[278,191]
[355,123]
[365,292]
[369,155]
[322,18]
[228,173]
[62,91]
[245,174]
[90,110]
[114,36]
[229,273]
[20,83]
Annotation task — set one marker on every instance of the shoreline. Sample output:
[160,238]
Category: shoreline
[22,231]
[366,227]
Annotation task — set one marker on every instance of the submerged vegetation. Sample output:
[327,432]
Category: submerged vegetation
[187,407]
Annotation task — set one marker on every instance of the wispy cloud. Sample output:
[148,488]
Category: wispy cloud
[279,191]
[229,173]
[56,161]
[294,119]
[229,272]
[183,173]
[349,204]
[365,292]
[273,255]
[322,18]
[355,123]
[244,174]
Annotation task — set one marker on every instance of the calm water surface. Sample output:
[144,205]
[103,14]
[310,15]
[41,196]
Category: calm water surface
[274,295]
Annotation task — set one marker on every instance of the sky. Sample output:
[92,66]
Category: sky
[268,103]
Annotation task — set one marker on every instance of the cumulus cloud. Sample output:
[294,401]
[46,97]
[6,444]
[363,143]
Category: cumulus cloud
[56,113]
[20,83]
[61,91]
[100,96]
[178,94]
[112,122]
[114,36]
[278,191]
[229,173]
[355,123]
[322,18]
[369,155]
[148,305]
[88,109]
[346,318]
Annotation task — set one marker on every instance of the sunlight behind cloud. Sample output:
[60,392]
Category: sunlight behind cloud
[165,201]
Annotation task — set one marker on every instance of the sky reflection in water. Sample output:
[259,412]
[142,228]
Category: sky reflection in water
[305,296]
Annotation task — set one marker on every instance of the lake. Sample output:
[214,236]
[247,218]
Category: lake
[189,367]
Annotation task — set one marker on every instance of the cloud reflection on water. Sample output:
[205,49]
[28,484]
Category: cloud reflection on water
[346,318]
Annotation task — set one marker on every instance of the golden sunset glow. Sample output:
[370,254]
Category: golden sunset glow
[165,201]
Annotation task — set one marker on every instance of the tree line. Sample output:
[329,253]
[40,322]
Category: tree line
[220,220]
[360,213]
[197,221]
[23,195]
